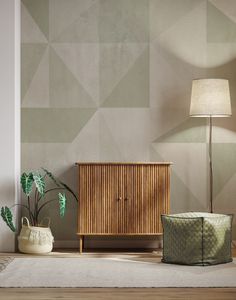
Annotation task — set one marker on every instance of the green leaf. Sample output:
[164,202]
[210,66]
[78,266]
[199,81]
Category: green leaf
[27,183]
[50,175]
[62,204]
[8,217]
[39,182]
[68,189]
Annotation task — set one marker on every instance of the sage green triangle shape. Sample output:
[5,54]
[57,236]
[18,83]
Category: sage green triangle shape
[39,10]
[220,28]
[193,130]
[30,31]
[182,198]
[84,29]
[224,164]
[165,14]
[154,155]
[65,89]
[133,89]
[108,147]
[31,55]
[124,21]
[53,125]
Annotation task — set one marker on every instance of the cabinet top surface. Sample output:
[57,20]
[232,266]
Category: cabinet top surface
[122,163]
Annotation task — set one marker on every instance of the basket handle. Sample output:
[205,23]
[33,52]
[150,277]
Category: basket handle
[42,221]
[27,221]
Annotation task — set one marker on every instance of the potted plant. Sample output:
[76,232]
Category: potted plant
[34,236]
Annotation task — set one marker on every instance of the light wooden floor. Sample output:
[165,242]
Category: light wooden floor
[115,293]
[118,294]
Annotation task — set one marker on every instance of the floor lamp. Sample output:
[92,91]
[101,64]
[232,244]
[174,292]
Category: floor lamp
[210,98]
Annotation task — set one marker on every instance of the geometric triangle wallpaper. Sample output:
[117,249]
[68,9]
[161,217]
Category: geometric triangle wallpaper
[110,80]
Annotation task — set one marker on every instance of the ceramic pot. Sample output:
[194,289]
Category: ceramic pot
[35,239]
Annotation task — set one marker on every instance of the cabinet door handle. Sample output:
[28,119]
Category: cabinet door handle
[126,199]
[119,198]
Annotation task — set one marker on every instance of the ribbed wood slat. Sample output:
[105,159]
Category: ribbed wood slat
[122,198]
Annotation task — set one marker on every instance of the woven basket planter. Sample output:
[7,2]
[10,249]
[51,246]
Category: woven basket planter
[34,239]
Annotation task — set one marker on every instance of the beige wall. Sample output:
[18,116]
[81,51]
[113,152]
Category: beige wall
[110,80]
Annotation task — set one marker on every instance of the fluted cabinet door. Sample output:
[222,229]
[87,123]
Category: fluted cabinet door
[134,199]
[90,200]
[155,196]
[119,214]
[109,198]
[129,212]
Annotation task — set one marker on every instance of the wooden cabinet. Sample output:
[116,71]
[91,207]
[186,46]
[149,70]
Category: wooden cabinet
[122,198]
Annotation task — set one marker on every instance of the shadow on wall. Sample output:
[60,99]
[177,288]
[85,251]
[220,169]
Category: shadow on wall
[177,94]
[174,86]
[63,228]
[7,238]
[234,232]
[179,204]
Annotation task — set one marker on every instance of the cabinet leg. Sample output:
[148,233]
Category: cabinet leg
[81,240]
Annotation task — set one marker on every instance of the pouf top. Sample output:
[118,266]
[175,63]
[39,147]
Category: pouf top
[196,215]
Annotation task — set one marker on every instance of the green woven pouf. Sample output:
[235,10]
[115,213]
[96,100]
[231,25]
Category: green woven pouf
[197,238]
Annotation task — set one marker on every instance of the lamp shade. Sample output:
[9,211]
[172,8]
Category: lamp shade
[210,97]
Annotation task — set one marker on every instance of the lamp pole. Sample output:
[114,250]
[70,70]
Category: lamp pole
[210,164]
[210,97]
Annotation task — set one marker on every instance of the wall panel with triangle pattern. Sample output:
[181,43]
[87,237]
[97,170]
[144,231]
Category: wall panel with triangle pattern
[110,80]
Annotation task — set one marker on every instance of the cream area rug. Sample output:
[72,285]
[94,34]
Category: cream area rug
[112,272]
